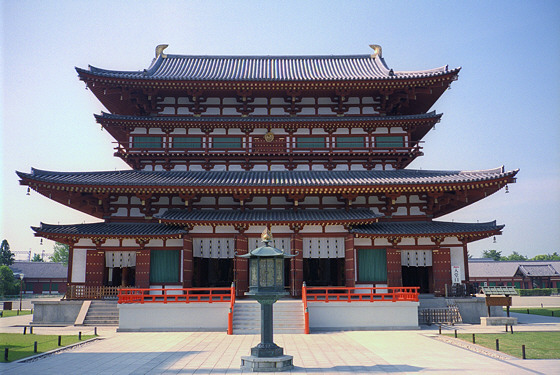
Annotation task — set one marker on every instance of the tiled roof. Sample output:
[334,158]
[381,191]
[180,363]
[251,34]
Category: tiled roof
[267,179]
[40,270]
[109,230]
[537,270]
[479,268]
[210,217]
[268,119]
[404,228]
[499,290]
[267,68]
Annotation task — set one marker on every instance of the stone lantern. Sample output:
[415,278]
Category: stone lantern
[266,285]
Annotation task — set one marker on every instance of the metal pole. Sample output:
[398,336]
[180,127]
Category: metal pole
[20,292]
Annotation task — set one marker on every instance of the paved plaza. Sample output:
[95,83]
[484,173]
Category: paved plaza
[407,352]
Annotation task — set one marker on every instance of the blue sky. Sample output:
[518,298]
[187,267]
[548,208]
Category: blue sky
[503,110]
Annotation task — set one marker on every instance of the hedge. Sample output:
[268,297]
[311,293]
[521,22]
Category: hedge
[537,292]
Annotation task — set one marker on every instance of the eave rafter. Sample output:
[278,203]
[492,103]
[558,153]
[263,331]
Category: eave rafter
[421,85]
[430,189]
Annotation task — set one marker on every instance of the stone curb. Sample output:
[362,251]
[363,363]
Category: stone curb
[55,351]
[474,347]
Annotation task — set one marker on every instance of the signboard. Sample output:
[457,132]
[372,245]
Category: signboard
[498,301]
[456,274]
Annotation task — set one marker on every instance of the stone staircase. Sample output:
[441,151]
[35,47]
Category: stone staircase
[287,315]
[102,313]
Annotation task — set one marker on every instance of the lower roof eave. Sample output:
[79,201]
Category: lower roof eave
[467,232]
[104,231]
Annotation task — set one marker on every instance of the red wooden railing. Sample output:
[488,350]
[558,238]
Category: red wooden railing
[174,295]
[355,294]
[231,307]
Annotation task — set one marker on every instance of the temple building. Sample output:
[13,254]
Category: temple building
[313,147]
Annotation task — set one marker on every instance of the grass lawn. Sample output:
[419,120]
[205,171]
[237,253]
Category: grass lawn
[7,313]
[538,345]
[21,346]
[547,311]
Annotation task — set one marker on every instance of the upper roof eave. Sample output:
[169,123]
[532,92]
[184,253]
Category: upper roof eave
[250,119]
[133,179]
[267,69]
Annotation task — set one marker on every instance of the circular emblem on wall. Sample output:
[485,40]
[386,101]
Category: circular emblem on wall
[269,137]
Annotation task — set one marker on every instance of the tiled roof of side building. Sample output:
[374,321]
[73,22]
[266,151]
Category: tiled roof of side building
[272,179]
[479,268]
[109,229]
[267,68]
[40,270]
[542,270]
[419,228]
[210,217]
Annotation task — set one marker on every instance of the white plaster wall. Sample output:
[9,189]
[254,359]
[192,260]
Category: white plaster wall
[362,241]
[85,242]
[312,229]
[174,317]
[79,266]
[363,315]
[174,242]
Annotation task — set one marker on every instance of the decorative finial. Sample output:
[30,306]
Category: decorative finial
[266,235]
[159,50]
[376,50]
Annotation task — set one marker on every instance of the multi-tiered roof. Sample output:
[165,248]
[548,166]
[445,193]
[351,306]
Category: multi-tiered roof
[332,96]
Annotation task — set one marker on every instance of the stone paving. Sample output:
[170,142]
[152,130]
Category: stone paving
[363,352]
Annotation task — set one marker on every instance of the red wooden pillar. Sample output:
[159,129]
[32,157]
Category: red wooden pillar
[296,273]
[95,267]
[241,266]
[142,267]
[394,267]
[466,261]
[441,259]
[188,265]
[349,270]
[70,265]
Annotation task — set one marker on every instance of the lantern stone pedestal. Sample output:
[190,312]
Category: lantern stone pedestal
[272,364]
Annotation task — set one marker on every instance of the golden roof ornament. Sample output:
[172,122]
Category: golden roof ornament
[266,235]
[159,50]
[376,50]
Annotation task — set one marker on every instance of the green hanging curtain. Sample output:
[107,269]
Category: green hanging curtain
[164,266]
[372,265]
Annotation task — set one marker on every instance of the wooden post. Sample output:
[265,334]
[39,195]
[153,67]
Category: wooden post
[6,354]
[59,340]
[473,339]
[497,345]
[35,347]
[522,351]
[455,333]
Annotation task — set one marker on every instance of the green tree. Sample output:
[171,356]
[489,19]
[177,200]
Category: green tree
[515,256]
[8,284]
[60,253]
[492,254]
[6,256]
[544,257]
[37,258]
